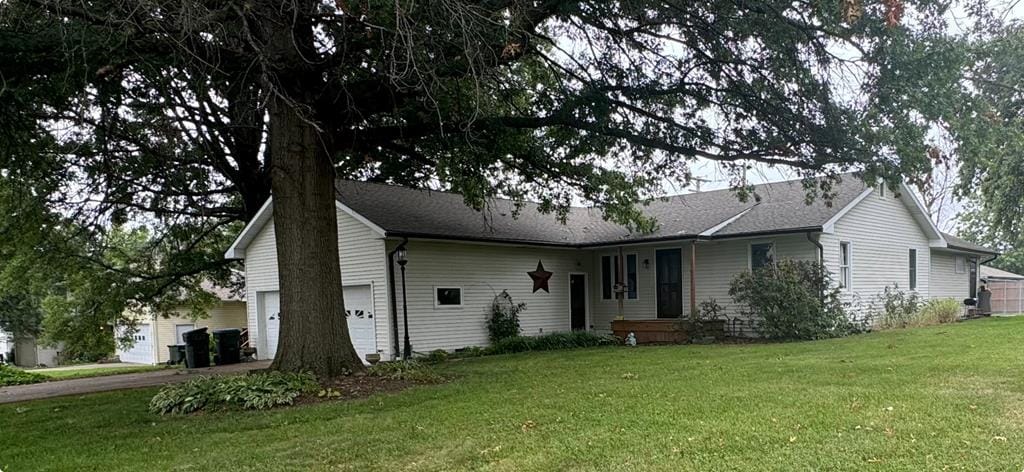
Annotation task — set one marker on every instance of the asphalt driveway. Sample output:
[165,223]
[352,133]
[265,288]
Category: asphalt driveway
[59,388]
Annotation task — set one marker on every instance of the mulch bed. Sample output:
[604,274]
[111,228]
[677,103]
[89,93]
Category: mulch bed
[358,386]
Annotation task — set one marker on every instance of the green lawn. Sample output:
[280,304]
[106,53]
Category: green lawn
[99,371]
[942,398]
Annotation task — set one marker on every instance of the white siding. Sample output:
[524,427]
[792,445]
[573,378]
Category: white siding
[226,314]
[482,271]
[363,262]
[718,262]
[945,282]
[881,231]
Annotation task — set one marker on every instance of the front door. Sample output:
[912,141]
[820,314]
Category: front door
[577,302]
[669,278]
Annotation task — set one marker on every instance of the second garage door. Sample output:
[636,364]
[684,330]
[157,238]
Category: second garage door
[359,313]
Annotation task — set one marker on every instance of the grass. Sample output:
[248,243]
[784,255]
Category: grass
[939,398]
[98,372]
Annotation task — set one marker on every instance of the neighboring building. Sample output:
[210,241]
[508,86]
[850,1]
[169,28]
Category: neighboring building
[459,259]
[1007,290]
[154,333]
[27,352]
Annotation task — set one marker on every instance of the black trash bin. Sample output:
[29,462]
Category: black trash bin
[177,354]
[229,346]
[197,348]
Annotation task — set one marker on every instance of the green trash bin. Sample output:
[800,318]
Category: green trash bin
[229,346]
[177,354]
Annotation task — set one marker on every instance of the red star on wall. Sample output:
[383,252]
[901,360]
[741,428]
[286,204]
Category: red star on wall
[540,278]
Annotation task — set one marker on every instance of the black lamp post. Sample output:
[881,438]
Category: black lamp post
[402,259]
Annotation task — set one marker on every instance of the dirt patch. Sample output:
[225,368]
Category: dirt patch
[358,386]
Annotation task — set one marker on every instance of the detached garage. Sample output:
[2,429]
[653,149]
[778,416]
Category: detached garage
[1007,290]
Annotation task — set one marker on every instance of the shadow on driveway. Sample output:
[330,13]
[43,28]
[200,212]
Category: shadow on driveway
[60,388]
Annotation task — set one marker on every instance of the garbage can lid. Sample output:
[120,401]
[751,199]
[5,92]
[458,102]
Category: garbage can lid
[196,331]
[227,331]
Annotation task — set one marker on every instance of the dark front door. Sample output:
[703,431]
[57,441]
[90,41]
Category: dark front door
[669,274]
[577,302]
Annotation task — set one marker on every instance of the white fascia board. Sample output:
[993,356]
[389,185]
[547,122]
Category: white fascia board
[921,215]
[237,249]
[830,226]
[266,213]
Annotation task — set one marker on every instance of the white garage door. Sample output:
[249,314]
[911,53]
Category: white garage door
[359,308]
[141,351]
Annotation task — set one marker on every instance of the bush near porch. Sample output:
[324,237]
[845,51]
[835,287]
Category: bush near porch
[946,397]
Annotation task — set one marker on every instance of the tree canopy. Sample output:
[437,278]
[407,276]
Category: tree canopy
[186,115]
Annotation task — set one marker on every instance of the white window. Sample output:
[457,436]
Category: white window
[960,264]
[448,296]
[912,256]
[845,263]
[761,255]
[881,189]
[610,273]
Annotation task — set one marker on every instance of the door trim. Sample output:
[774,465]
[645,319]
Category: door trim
[587,326]
[261,322]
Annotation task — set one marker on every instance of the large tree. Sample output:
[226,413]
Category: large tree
[189,114]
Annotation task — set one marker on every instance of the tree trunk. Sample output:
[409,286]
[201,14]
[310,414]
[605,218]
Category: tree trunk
[314,331]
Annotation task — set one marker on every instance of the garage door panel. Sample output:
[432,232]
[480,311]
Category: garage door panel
[141,352]
[358,313]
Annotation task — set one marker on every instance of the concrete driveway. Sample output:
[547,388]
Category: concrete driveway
[60,388]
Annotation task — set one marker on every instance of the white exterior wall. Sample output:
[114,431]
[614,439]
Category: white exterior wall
[881,231]
[718,262]
[945,281]
[363,262]
[481,271]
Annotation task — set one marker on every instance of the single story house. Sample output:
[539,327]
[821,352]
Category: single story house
[154,332]
[1007,290]
[459,259]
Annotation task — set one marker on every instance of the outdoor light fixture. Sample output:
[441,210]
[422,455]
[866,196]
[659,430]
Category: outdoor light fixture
[401,257]
[647,263]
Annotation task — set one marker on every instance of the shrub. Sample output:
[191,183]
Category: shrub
[413,371]
[553,341]
[14,376]
[255,392]
[503,320]
[436,356]
[899,309]
[946,310]
[794,300]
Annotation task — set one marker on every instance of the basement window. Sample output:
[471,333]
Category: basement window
[448,296]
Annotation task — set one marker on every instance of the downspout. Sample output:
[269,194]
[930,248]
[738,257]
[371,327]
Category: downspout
[821,260]
[394,297]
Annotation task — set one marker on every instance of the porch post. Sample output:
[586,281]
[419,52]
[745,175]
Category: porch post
[620,281]
[693,277]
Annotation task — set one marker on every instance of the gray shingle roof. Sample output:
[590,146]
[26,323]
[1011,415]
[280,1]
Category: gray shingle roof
[957,243]
[403,211]
[993,273]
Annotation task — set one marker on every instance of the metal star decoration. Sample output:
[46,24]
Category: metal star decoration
[540,278]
